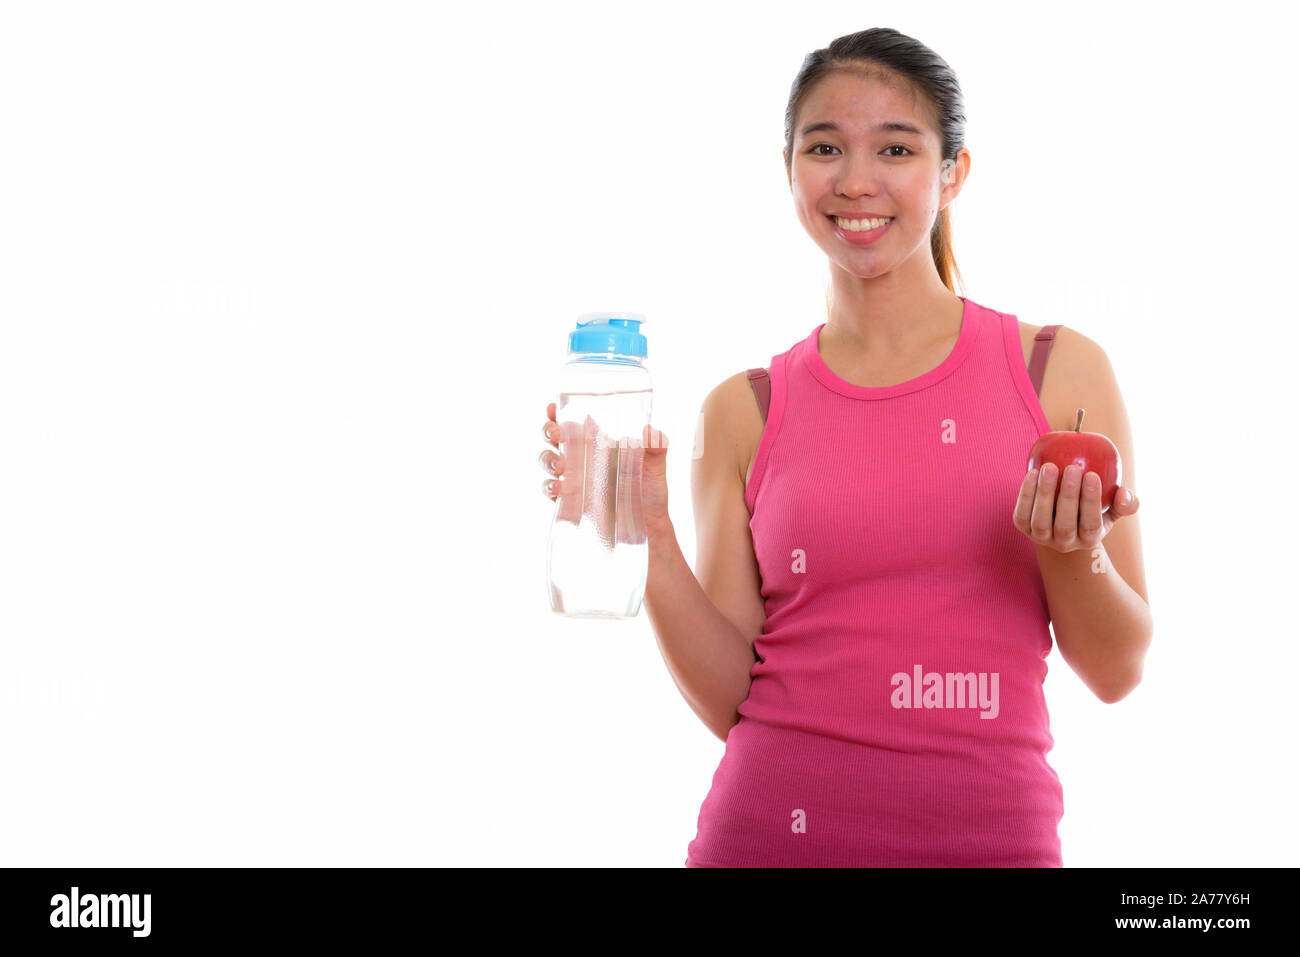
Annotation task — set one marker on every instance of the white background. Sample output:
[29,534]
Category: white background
[283,292]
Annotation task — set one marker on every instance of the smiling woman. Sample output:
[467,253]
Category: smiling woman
[873,559]
[925,130]
[910,567]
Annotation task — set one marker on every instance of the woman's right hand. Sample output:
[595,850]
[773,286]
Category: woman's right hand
[552,462]
[646,476]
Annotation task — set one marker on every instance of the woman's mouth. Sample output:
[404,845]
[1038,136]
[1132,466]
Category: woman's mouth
[864,234]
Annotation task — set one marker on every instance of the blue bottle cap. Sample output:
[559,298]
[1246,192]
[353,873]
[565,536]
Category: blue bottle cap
[609,332]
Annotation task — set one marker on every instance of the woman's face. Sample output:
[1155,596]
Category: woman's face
[859,169]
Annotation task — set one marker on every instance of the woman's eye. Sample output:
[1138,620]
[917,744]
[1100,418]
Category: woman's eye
[814,149]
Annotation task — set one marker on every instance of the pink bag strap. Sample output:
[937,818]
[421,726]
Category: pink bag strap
[762,386]
[1038,358]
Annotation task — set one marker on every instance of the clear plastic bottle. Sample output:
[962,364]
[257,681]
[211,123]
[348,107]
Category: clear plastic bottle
[598,552]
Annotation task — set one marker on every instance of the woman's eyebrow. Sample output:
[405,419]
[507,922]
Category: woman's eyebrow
[891,126]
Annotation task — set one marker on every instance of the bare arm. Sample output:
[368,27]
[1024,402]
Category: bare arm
[706,626]
[1098,598]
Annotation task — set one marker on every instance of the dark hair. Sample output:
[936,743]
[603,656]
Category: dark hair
[886,53]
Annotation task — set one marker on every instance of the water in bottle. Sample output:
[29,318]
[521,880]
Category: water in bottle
[598,552]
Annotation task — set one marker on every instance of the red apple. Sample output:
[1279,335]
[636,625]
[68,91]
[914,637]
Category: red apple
[1090,450]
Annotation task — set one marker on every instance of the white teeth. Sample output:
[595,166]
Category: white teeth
[858,225]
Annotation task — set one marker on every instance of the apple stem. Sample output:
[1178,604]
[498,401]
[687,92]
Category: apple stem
[1078,420]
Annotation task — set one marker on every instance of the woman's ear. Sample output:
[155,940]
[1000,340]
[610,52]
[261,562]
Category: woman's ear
[953,175]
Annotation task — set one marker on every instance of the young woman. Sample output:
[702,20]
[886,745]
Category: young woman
[867,625]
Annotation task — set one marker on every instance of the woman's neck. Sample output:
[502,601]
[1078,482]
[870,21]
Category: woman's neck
[891,327]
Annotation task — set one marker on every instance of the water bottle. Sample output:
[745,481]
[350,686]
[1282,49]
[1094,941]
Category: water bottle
[598,551]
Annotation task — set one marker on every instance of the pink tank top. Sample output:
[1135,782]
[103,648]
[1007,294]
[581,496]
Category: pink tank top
[896,716]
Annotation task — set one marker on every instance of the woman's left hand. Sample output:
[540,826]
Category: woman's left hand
[1078,523]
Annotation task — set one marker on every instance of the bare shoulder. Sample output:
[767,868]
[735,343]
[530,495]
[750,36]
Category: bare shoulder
[1066,338]
[1076,367]
[730,416]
